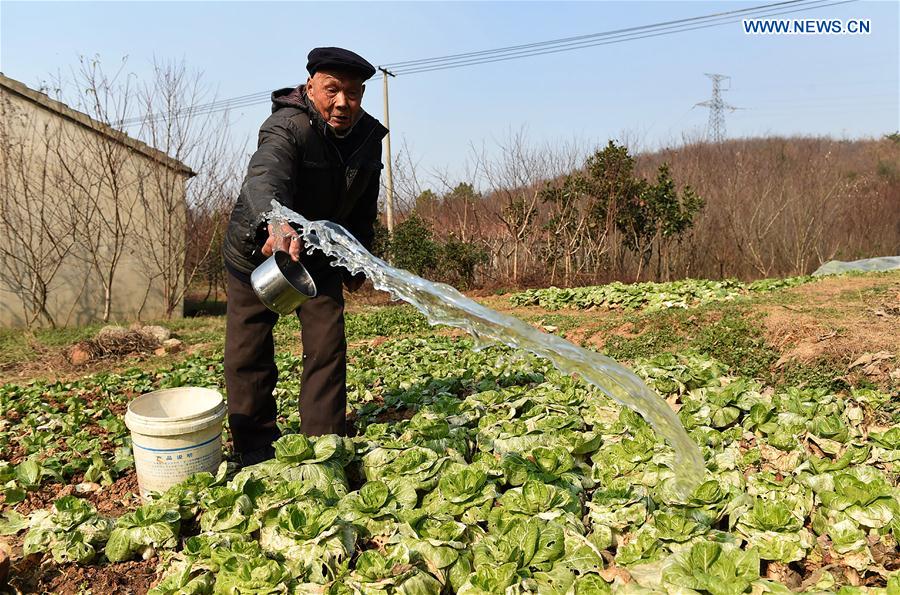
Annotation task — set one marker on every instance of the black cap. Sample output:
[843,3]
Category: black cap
[339,59]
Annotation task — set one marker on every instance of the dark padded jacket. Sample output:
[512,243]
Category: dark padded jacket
[300,163]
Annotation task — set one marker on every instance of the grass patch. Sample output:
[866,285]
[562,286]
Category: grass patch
[563,322]
[651,334]
[19,346]
[22,345]
[737,340]
[387,321]
[730,334]
[817,375]
[200,329]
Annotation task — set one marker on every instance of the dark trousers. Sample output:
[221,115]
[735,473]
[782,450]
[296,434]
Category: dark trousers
[251,375]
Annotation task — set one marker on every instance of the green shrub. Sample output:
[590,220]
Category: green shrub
[412,246]
[458,260]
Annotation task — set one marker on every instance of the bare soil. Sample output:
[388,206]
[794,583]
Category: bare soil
[851,322]
[36,574]
[597,339]
[121,497]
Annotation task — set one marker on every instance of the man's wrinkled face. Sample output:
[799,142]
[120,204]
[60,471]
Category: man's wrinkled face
[337,97]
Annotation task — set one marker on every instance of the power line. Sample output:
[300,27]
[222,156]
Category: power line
[845,99]
[450,57]
[614,38]
[528,50]
[240,101]
[581,41]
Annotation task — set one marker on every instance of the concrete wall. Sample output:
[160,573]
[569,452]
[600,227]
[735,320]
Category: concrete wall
[56,166]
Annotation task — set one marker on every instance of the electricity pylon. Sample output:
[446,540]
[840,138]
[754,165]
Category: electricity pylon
[717,107]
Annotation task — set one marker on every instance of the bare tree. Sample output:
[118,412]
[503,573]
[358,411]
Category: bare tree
[99,168]
[407,186]
[814,204]
[178,247]
[462,202]
[35,212]
[515,178]
[570,226]
[782,206]
[204,247]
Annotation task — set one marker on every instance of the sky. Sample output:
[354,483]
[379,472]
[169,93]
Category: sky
[642,91]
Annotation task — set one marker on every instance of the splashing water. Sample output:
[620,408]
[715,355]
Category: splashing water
[442,304]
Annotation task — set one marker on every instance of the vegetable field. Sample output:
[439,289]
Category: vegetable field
[487,471]
[650,296]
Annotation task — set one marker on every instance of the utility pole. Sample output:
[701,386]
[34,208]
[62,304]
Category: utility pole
[717,107]
[389,202]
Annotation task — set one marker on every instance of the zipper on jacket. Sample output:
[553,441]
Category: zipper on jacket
[346,181]
[353,154]
[362,144]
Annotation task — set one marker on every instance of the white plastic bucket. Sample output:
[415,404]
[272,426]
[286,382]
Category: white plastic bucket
[174,433]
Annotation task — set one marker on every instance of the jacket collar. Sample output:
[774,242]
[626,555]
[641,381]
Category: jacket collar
[296,97]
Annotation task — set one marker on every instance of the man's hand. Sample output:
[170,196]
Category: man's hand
[284,239]
[353,283]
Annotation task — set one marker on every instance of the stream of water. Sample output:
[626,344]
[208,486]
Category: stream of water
[442,304]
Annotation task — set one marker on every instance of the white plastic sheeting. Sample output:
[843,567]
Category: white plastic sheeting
[867,265]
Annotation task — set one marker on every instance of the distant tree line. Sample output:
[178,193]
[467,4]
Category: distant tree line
[747,208]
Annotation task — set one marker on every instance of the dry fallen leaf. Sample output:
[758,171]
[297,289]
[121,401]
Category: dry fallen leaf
[826,336]
[87,487]
[611,573]
[869,358]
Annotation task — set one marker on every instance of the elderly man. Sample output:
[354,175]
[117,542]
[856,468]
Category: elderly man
[319,153]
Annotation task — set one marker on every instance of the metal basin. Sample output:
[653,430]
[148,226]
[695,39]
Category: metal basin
[282,284]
